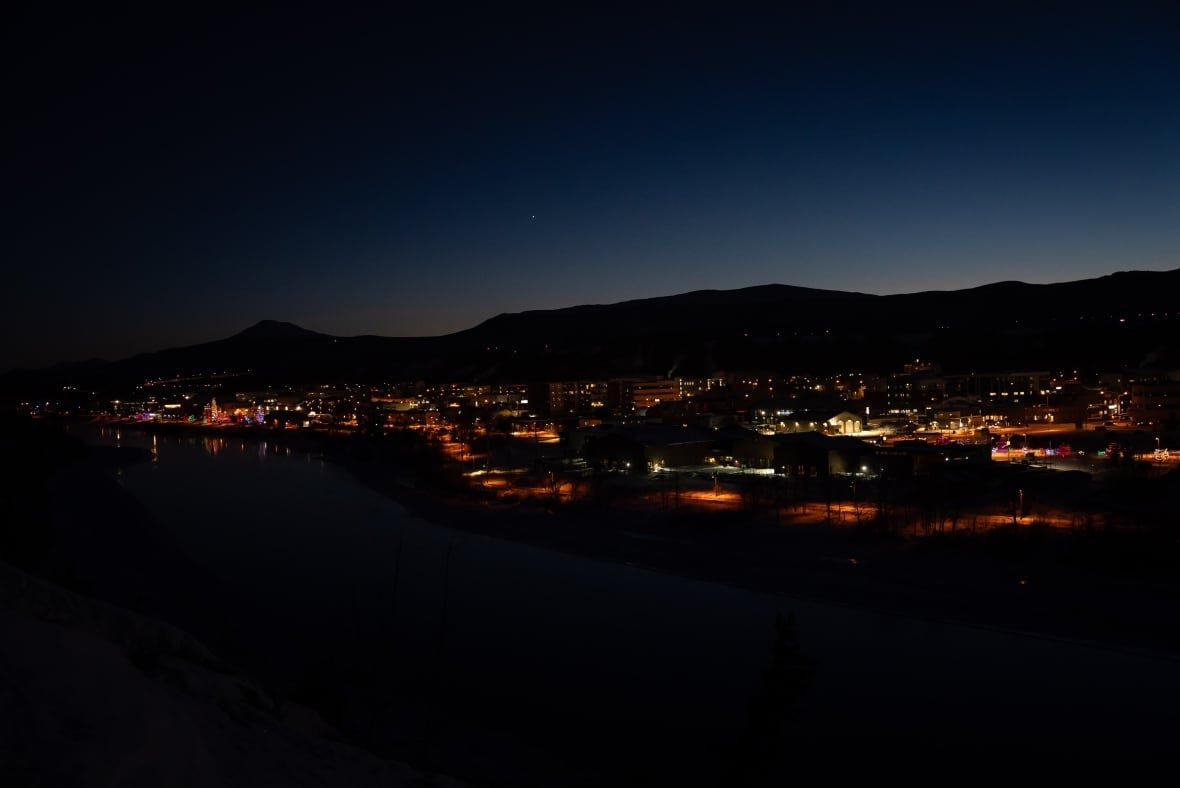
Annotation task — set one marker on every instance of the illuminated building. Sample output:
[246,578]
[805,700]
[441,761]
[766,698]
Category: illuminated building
[647,393]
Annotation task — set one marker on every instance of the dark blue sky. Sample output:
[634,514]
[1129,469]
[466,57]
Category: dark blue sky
[177,179]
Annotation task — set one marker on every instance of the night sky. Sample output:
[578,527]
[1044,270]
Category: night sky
[174,179]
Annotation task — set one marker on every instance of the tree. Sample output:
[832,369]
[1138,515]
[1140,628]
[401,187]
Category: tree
[782,683]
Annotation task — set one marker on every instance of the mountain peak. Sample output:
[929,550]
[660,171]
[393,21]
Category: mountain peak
[275,329]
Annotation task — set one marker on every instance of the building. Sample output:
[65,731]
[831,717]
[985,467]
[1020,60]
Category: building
[648,393]
[842,422]
[1157,404]
[917,457]
[912,392]
[816,454]
[644,448]
[568,397]
[1003,388]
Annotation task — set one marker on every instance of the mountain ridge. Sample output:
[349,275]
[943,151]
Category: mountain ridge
[274,329]
[1007,324]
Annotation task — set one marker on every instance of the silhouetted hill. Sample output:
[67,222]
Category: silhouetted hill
[51,378]
[1123,320]
[669,315]
[275,329]
[1005,325]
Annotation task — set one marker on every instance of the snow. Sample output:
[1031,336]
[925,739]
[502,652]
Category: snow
[93,695]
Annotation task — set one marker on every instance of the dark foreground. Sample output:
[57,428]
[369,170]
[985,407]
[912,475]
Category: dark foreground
[1013,582]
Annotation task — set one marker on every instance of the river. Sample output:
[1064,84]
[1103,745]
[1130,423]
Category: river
[517,665]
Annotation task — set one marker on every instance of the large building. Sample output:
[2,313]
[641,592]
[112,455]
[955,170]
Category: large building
[1157,404]
[917,457]
[1002,388]
[842,422]
[645,448]
[648,393]
[815,454]
[568,397]
[916,389]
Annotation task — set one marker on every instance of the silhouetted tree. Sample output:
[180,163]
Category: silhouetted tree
[782,683]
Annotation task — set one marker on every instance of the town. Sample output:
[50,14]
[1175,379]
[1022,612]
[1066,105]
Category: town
[911,450]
